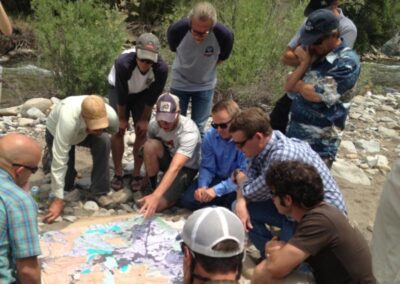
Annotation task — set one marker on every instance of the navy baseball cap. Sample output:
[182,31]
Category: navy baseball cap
[320,23]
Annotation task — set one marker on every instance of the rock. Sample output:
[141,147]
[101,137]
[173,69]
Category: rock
[58,219]
[382,163]
[392,46]
[126,208]
[10,111]
[34,112]
[84,183]
[40,103]
[131,139]
[349,172]
[72,196]
[70,218]
[371,146]
[121,212]
[91,206]
[372,161]
[388,133]
[106,201]
[102,212]
[54,100]
[348,147]
[68,211]
[122,196]
[24,122]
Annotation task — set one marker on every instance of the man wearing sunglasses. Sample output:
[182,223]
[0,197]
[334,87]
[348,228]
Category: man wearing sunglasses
[252,133]
[136,80]
[348,33]
[200,43]
[322,90]
[213,247]
[85,121]
[19,236]
[219,158]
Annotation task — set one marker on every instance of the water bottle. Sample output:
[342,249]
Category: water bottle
[35,193]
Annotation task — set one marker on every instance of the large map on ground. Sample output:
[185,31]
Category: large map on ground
[133,250]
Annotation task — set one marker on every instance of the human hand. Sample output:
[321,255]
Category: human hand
[243,213]
[54,211]
[209,194]
[272,246]
[239,177]
[141,127]
[148,205]
[123,126]
[198,194]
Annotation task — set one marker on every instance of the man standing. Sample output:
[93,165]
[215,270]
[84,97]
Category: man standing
[19,236]
[322,89]
[213,247]
[200,44]
[174,148]
[324,238]
[136,81]
[252,133]
[348,34]
[83,121]
[219,159]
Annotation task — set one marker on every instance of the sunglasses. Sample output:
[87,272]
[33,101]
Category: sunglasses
[241,144]
[32,169]
[147,61]
[220,125]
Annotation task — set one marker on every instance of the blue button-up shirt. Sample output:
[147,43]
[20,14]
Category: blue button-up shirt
[281,148]
[219,158]
[19,236]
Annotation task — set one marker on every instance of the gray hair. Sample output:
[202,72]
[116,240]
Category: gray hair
[203,11]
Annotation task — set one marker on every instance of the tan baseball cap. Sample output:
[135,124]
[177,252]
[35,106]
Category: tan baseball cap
[94,112]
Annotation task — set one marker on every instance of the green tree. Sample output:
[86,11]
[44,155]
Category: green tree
[78,41]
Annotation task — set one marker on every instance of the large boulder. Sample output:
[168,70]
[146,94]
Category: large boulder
[40,103]
[392,47]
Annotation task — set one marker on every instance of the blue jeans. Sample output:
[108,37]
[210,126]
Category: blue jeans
[188,201]
[262,213]
[201,105]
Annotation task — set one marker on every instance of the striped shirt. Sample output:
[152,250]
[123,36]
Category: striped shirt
[281,148]
[19,236]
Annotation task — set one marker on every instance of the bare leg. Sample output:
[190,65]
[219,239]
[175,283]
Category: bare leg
[153,151]
[138,160]
[117,150]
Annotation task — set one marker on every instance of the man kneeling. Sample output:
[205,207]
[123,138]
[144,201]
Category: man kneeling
[336,252]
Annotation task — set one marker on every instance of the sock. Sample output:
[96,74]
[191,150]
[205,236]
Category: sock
[153,182]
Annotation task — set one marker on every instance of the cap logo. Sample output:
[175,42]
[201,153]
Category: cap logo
[165,107]
[149,45]
[324,3]
[309,27]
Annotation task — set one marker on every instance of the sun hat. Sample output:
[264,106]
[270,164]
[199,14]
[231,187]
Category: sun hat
[93,111]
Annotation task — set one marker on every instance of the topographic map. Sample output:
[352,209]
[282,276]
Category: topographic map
[128,251]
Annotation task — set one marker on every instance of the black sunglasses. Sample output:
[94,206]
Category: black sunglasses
[147,61]
[199,34]
[32,169]
[220,125]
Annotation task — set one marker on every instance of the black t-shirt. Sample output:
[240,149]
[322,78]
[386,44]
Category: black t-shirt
[338,252]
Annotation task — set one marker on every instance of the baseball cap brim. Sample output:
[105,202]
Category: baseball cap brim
[166,116]
[307,39]
[146,54]
[99,123]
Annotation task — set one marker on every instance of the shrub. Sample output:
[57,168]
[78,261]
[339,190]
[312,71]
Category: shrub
[78,41]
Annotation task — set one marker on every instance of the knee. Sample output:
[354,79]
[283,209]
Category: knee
[152,146]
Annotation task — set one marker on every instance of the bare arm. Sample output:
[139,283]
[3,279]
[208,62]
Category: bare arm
[5,25]
[289,58]
[28,270]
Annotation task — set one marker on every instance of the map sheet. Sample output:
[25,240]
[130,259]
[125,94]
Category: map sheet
[133,250]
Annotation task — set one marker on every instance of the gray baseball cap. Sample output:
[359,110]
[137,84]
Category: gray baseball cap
[148,47]
[209,226]
[167,107]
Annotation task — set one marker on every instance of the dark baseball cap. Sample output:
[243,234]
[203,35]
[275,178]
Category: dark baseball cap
[148,47]
[320,23]
[317,4]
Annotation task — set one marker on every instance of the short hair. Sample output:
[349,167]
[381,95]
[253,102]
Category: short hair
[221,265]
[300,181]
[226,104]
[250,121]
[203,11]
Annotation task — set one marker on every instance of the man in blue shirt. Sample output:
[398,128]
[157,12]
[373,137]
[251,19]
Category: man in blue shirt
[220,158]
[322,88]
[19,236]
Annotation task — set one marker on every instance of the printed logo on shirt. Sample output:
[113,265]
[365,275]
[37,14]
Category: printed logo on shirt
[170,144]
[209,51]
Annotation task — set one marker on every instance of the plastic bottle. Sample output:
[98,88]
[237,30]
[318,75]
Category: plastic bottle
[35,193]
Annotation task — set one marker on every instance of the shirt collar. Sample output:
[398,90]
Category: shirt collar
[333,55]
[267,148]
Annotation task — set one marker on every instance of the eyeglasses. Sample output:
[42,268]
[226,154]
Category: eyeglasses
[241,144]
[32,169]
[146,61]
[220,125]
[199,34]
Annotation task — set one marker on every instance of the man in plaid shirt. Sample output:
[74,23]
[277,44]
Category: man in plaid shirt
[252,133]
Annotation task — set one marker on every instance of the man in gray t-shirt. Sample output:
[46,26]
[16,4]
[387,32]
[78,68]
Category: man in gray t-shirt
[348,35]
[173,147]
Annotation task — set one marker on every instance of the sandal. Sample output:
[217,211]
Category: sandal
[136,183]
[117,183]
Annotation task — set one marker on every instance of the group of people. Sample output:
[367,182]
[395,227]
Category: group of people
[270,170]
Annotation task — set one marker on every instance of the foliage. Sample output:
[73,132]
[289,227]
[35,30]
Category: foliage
[78,41]
[376,20]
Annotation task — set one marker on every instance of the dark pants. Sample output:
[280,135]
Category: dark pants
[188,201]
[279,116]
[100,151]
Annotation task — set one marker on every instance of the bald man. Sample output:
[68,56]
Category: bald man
[19,237]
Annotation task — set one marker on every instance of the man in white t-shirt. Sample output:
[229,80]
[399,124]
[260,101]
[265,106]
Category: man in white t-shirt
[173,146]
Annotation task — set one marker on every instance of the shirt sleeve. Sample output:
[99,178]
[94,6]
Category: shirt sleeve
[294,42]
[188,142]
[160,70]
[23,229]
[113,121]
[225,40]
[176,32]
[349,33]
[122,74]
[208,162]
